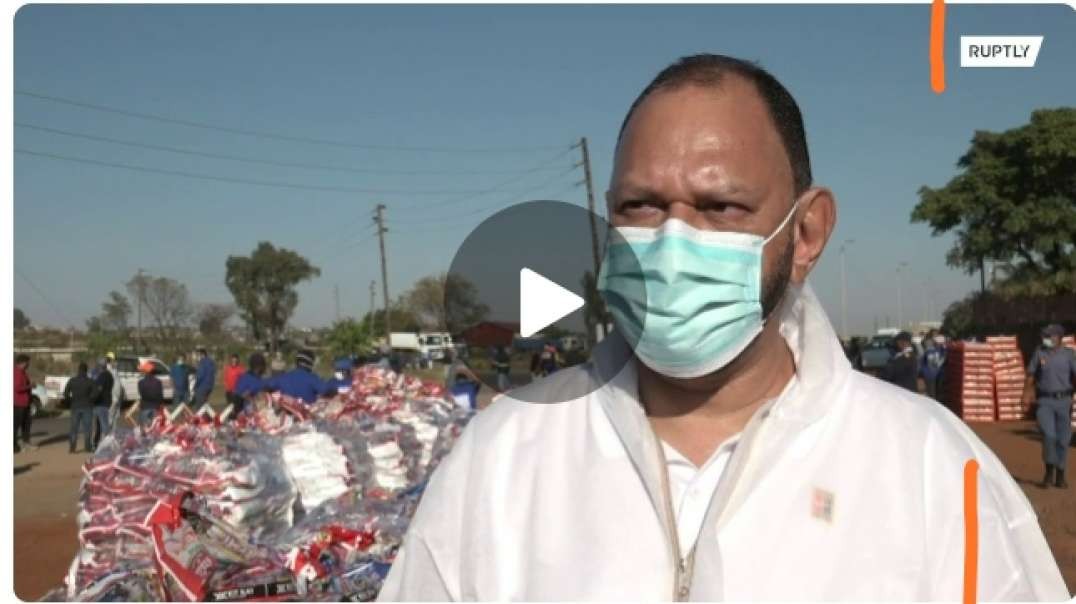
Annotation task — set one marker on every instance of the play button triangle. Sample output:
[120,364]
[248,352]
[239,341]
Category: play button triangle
[542,302]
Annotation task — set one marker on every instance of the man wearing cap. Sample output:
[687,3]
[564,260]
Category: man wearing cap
[301,383]
[150,394]
[340,383]
[204,377]
[1050,378]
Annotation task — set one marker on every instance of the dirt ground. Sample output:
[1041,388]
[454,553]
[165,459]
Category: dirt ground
[46,490]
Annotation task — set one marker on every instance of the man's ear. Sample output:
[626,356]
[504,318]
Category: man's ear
[818,216]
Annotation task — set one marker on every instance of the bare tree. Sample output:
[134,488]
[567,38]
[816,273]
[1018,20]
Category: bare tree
[167,303]
[212,318]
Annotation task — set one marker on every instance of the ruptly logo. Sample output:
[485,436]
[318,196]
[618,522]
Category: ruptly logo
[999,51]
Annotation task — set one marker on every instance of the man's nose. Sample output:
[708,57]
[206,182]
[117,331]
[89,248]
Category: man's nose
[686,212]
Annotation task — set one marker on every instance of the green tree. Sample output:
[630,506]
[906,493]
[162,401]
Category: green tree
[349,336]
[21,320]
[445,303]
[402,319]
[263,285]
[1014,202]
[115,312]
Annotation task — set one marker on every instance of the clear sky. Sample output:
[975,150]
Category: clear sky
[508,89]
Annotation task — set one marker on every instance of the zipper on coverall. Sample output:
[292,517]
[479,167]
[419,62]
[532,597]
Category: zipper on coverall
[685,565]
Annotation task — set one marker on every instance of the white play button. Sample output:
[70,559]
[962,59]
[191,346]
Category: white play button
[542,302]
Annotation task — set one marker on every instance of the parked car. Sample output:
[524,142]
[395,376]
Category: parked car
[126,371]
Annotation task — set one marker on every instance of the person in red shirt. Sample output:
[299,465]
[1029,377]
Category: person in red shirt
[23,386]
[232,371]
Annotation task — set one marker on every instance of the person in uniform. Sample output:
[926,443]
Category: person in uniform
[1050,377]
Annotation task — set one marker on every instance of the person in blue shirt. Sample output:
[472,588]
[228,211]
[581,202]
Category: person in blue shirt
[931,363]
[251,384]
[1051,379]
[204,377]
[340,383]
[300,383]
[180,382]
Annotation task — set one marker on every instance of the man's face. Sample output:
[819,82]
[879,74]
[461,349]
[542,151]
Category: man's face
[712,158]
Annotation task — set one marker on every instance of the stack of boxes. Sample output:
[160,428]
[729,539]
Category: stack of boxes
[1009,377]
[969,373]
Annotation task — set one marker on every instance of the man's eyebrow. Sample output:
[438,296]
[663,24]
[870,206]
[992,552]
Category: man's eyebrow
[634,191]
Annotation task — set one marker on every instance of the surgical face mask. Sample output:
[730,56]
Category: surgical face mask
[939,339]
[1048,342]
[690,301]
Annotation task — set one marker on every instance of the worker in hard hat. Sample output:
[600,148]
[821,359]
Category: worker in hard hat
[300,383]
[150,394]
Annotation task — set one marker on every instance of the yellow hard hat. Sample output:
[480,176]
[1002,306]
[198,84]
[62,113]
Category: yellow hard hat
[111,356]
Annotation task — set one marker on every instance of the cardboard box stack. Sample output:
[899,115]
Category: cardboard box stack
[969,373]
[1009,377]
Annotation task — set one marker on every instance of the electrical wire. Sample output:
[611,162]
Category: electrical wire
[46,299]
[262,161]
[276,135]
[244,181]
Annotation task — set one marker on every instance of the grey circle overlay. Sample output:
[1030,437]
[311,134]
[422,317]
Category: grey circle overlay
[553,239]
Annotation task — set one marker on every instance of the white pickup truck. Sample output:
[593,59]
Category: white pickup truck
[125,371]
[430,346]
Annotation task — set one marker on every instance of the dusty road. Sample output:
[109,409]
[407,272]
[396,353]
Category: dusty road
[46,490]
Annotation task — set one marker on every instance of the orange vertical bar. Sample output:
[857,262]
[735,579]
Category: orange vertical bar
[971,530]
[937,46]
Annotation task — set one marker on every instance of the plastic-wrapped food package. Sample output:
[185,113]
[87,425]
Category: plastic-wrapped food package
[287,501]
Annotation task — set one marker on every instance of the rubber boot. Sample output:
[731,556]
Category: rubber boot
[1060,481]
[1049,478]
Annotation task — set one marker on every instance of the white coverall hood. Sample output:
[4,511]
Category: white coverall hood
[567,501]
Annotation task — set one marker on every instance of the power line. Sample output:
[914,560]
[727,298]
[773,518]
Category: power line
[244,181]
[262,161]
[497,204]
[277,135]
[45,298]
[496,187]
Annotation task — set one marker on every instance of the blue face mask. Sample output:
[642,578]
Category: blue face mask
[690,301]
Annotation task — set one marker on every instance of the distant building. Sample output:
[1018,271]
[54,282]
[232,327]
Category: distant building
[491,333]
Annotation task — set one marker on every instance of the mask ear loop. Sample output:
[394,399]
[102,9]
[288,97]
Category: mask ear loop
[795,204]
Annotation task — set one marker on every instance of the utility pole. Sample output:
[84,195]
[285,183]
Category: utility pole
[336,300]
[373,284]
[844,290]
[589,182]
[141,287]
[900,303]
[379,219]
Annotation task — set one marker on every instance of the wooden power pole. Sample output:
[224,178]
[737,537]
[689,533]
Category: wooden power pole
[589,182]
[379,219]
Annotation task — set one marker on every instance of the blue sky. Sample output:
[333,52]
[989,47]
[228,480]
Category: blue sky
[524,82]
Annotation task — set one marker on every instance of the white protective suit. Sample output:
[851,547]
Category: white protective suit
[568,501]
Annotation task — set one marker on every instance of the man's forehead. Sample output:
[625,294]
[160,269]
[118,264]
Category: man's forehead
[711,125]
